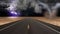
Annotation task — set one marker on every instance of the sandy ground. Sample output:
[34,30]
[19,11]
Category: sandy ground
[55,21]
[6,20]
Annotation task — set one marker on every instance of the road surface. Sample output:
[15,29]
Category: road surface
[21,27]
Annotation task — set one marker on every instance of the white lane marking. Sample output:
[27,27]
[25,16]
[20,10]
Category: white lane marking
[10,25]
[7,27]
[49,27]
[28,26]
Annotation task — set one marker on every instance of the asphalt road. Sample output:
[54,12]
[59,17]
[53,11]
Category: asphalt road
[21,27]
[37,27]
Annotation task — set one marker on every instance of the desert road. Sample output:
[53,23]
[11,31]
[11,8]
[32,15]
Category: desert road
[27,26]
